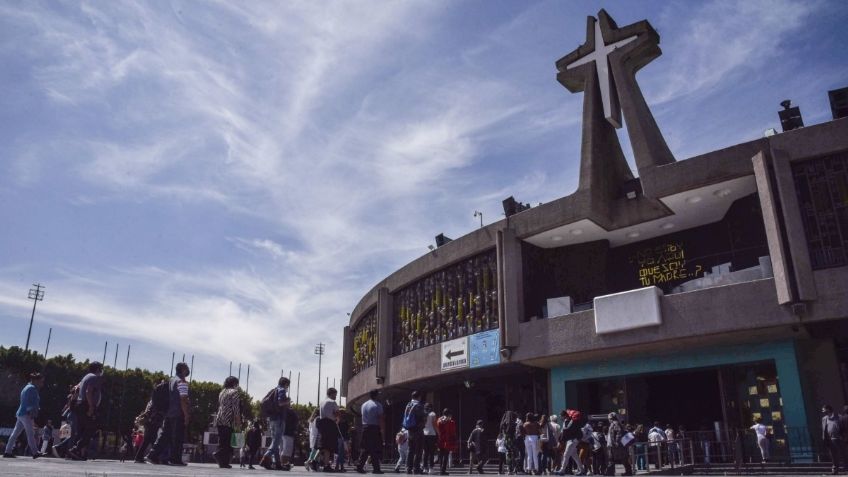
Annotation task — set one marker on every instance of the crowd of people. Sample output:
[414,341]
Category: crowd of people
[427,443]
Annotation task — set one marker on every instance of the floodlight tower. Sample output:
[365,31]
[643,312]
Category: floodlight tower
[319,350]
[36,295]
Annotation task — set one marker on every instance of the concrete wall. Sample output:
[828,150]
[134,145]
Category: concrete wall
[715,312]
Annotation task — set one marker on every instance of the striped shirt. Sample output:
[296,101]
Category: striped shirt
[229,406]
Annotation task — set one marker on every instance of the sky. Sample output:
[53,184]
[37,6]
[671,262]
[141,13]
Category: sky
[227,179]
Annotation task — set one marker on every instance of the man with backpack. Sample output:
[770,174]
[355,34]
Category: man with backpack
[169,444]
[86,404]
[570,437]
[152,417]
[273,407]
[414,418]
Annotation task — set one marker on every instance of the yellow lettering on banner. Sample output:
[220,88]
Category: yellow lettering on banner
[663,264]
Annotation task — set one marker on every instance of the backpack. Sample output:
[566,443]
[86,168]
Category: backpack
[410,419]
[161,397]
[268,407]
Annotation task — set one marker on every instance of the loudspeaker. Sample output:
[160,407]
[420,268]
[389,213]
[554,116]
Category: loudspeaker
[839,102]
[790,117]
[441,240]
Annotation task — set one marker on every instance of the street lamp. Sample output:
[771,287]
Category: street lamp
[319,350]
[479,214]
[36,295]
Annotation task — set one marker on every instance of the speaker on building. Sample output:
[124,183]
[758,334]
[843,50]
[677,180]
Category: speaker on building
[839,102]
[790,117]
[441,240]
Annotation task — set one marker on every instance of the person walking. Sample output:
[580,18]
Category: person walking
[618,451]
[507,428]
[170,440]
[500,446]
[430,438]
[152,418]
[531,444]
[25,417]
[71,434]
[227,420]
[832,435]
[328,428]
[252,443]
[572,432]
[599,450]
[373,429]
[87,402]
[640,446]
[47,437]
[447,439]
[476,450]
[314,437]
[414,419]
[287,452]
[762,438]
[547,441]
[274,406]
[402,441]
[343,441]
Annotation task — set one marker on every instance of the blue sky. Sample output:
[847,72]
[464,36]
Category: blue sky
[227,179]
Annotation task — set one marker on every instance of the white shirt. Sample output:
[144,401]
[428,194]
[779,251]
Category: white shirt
[587,433]
[429,428]
[760,429]
[669,434]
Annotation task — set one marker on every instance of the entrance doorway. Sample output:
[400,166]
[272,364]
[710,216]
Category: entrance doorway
[732,396]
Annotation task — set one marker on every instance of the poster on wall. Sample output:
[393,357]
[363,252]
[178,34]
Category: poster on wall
[455,354]
[485,348]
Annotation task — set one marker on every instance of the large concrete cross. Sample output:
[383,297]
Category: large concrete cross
[604,70]
[600,55]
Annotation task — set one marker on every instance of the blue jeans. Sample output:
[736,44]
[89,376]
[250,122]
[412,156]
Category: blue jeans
[341,454]
[24,423]
[278,427]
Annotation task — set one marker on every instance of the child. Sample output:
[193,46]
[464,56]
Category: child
[500,444]
[475,448]
[311,463]
[402,441]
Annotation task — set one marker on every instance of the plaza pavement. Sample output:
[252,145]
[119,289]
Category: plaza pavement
[48,467]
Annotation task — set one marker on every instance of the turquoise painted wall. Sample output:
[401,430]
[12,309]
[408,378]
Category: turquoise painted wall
[782,352]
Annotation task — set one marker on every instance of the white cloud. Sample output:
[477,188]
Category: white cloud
[718,41]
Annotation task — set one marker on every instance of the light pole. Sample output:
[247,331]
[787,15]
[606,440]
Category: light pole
[319,350]
[36,295]
[479,214]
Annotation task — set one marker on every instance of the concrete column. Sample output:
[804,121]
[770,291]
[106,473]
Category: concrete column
[793,226]
[649,147]
[772,221]
[510,287]
[385,330]
[347,360]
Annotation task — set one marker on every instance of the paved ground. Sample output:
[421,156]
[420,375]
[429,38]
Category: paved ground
[48,467]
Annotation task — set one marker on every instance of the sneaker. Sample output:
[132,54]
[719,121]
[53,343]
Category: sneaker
[360,469]
[153,459]
[178,463]
[37,455]
[9,456]
[139,461]
[377,471]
